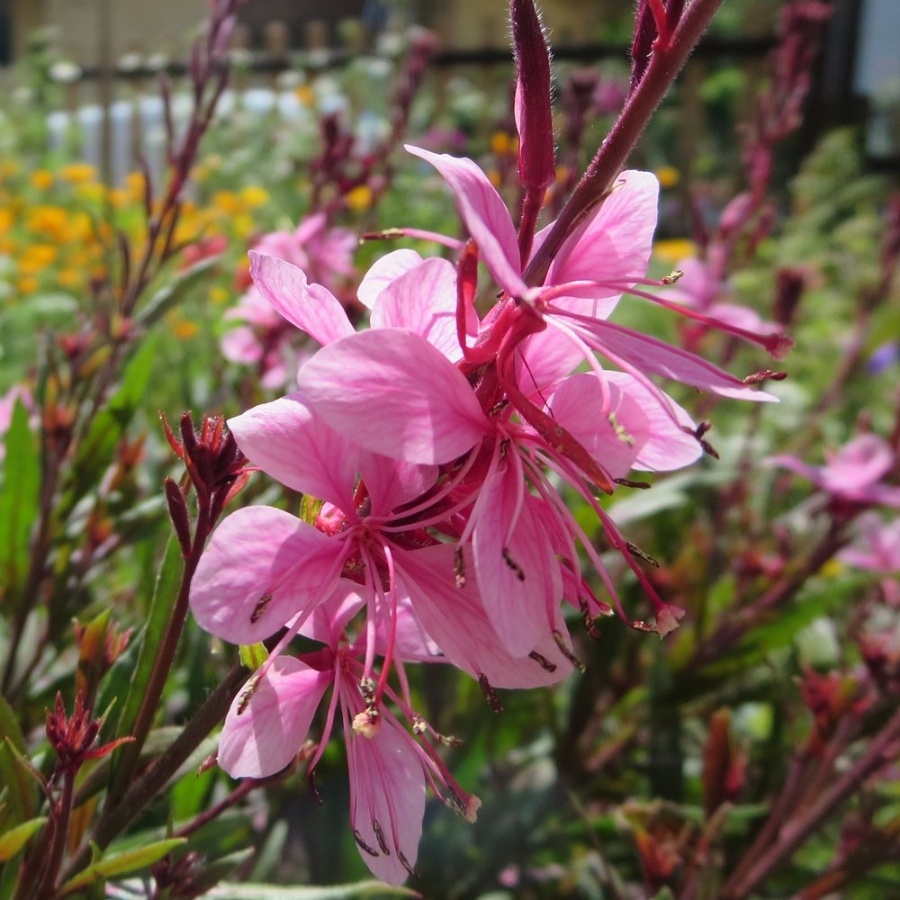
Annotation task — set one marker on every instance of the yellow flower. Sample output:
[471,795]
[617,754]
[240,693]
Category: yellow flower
[305,95]
[242,225]
[253,196]
[359,198]
[41,179]
[89,190]
[7,220]
[69,278]
[78,173]
[134,185]
[502,143]
[185,330]
[50,221]
[674,249]
[36,257]
[226,202]
[668,176]
[27,285]
[219,295]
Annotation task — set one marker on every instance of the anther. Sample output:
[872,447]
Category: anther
[489,694]
[517,569]
[260,608]
[567,652]
[542,661]
[363,845]
[634,550]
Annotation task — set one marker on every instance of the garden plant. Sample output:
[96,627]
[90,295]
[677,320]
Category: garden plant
[357,470]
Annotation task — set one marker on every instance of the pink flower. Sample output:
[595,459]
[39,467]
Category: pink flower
[264,339]
[701,290]
[388,767]
[878,547]
[853,475]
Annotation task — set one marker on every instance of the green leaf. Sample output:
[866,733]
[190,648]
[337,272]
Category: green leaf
[18,790]
[173,292]
[164,596]
[15,839]
[19,497]
[228,891]
[121,863]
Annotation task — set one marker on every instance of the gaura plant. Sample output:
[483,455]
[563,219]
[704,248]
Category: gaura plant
[432,449]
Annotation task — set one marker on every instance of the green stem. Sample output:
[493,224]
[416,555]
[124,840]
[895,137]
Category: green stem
[141,793]
[165,656]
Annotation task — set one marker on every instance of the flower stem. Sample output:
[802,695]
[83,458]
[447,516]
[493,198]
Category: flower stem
[595,185]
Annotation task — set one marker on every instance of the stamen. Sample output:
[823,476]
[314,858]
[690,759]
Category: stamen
[489,694]
[260,608]
[379,833]
[627,482]
[567,652]
[542,661]
[517,569]
[250,688]
[765,375]
[641,554]
[459,567]
[405,863]
[363,845]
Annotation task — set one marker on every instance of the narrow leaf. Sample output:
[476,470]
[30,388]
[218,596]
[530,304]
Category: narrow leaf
[164,596]
[15,839]
[19,492]
[121,863]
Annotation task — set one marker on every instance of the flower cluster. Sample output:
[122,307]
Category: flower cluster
[433,450]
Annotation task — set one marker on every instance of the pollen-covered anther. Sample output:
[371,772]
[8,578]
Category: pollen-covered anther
[634,550]
[250,688]
[467,807]
[419,725]
[765,375]
[490,694]
[672,277]
[459,568]
[619,430]
[517,569]
[367,688]
[588,618]
[542,661]
[566,651]
[367,723]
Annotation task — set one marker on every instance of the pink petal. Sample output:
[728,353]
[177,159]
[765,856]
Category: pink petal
[514,563]
[395,394]
[605,420]
[387,799]
[455,618]
[292,444]
[311,307]
[266,736]
[392,482]
[484,214]
[616,243]
[423,300]
[543,359]
[383,271]
[649,355]
[667,445]
[260,569]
